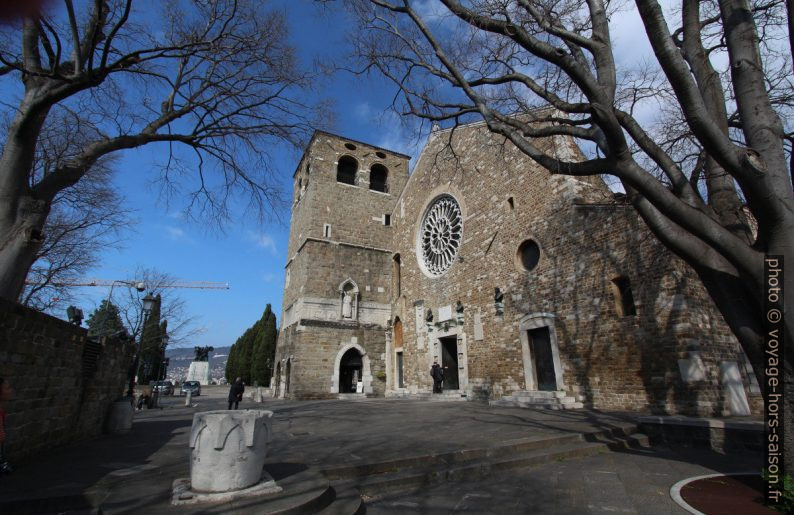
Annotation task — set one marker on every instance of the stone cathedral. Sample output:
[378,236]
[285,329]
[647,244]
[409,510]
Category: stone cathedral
[525,286]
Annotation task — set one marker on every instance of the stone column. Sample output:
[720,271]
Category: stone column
[228,449]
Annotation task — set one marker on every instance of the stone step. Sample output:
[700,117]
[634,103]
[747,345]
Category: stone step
[413,479]
[450,395]
[351,396]
[346,502]
[539,400]
[539,394]
[510,449]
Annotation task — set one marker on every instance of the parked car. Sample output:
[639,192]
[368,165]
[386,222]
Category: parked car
[194,387]
[163,387]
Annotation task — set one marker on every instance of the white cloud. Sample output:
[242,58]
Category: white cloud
[264,241]
[363,111]
[175,232]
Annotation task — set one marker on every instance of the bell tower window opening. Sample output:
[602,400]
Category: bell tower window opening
[378,178]
[327,231]
[346,170]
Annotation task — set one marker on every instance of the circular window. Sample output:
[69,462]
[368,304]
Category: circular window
[528,255]
[441,234]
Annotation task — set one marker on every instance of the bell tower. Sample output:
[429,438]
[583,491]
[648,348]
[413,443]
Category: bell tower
[338,278]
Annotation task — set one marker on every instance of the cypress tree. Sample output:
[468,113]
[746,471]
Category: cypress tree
[251,356]
[151,339]
[231,362]
[264,348]
[246,351]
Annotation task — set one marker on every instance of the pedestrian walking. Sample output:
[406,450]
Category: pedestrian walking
[5,395]
[236,393]
[437,373]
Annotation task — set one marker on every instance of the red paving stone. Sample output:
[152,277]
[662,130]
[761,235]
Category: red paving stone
[728,495]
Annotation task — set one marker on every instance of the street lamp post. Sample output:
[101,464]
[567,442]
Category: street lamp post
[148,303]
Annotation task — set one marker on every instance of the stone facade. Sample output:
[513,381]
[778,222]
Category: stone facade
[64,383]
[588,302]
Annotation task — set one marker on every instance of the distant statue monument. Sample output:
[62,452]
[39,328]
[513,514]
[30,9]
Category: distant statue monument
[75,315]
[203,353]
[200,368]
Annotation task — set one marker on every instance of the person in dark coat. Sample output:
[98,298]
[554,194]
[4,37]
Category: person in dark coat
[236,393]
[437,373]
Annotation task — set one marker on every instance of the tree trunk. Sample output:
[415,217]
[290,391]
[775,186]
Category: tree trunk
[22,235]
[22,215]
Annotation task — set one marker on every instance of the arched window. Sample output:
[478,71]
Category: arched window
[346,170]
[378,178]
[624,298]
[395,275]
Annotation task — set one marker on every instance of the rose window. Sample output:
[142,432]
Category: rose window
[442,229]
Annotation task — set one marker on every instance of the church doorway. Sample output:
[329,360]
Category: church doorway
[543,360]
[449,362]
[350,371]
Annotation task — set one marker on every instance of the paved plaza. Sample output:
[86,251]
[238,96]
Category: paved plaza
[133,473]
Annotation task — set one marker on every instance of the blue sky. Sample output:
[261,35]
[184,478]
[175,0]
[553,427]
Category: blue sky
[248,255]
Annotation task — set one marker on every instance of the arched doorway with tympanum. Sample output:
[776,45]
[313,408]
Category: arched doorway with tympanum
[352,366]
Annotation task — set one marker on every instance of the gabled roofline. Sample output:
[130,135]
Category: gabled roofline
[320,132]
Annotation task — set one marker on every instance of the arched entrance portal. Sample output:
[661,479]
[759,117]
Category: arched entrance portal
[350,371]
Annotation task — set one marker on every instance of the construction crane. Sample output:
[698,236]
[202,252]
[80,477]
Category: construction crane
[200,285]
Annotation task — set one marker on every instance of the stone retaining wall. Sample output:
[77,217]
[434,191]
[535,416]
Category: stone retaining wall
[717,435]
[64,383]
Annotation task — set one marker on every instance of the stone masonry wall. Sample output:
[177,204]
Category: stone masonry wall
[63,382]
[321,267]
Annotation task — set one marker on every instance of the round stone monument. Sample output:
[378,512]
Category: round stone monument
[228,449]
